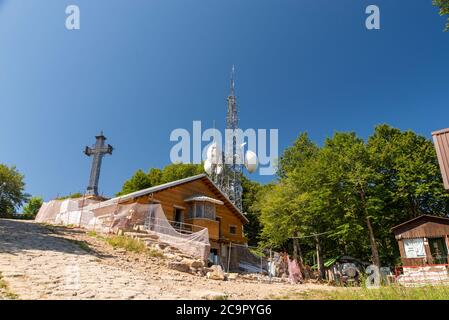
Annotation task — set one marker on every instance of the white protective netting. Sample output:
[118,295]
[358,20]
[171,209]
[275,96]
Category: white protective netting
[111,217]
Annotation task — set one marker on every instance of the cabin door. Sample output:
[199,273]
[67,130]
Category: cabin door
[179,218]
[438,249]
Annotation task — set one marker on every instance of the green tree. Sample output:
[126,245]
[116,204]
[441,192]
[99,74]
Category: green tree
[250,194]
[352,192]
[32,207]
[444,9]
[411,181]
[12,190]
[285,206]
[302,149]
[177,171]
[141,180]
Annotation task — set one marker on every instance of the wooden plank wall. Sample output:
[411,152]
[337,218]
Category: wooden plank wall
[175,196]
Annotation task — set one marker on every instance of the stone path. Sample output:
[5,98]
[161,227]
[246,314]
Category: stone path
[38,263]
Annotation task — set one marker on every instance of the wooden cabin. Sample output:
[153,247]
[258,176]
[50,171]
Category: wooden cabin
[423,240]
[194,203]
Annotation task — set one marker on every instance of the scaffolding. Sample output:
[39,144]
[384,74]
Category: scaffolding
[113,217]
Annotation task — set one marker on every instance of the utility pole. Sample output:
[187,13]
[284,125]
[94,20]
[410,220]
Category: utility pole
[319,258]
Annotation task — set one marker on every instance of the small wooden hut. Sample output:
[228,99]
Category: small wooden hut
[423,240]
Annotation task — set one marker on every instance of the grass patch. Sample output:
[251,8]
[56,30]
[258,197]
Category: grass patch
[127,243]
[155,253]
[394,292]
[4,290]
[132,245]
[82,244]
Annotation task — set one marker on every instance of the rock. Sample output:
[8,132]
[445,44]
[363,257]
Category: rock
[197,264]
[179,266]
[161,246]
[169,256]
[214,296]
[232,276]
[216,273]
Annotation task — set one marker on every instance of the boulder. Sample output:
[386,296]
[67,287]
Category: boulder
[197,264]
[170,256]
[216,273]
[179,266]
[162,246]
[232,276]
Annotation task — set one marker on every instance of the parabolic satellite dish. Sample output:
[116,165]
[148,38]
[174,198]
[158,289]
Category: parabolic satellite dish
[251,161]
[208,166]
[213,153]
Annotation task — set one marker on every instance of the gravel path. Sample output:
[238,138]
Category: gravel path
[38,263]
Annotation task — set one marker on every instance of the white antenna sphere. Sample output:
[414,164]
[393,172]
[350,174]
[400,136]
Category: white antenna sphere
[213,153]
[251,161]
[219,169]
[208,166]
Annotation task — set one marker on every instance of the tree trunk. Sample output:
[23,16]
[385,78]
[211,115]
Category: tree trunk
[319,258]
[372,240]
[297,255]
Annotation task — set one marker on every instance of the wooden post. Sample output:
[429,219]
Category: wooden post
[447,248]
[270,266]
[229,255]
[319,258]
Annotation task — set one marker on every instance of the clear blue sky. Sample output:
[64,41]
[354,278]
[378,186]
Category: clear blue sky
[139,69]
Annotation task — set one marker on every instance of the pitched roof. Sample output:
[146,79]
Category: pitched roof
[204,199]
[426,217]
[172,184]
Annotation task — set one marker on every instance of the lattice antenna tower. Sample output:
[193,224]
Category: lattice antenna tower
[232,169]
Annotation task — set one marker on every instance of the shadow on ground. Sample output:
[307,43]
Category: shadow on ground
[21,235]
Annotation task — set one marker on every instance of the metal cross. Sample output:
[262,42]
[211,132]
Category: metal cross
[97,151]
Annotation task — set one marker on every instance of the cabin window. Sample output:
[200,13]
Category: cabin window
[232,229]
[414,248]
[203,210]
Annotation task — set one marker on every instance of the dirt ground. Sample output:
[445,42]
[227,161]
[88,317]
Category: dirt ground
[40,262]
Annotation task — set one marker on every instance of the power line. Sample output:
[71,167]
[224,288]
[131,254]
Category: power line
[312,235]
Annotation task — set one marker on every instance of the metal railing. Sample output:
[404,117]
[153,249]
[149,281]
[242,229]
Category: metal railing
[181,227]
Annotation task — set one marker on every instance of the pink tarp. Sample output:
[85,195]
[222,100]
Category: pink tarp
[294,273]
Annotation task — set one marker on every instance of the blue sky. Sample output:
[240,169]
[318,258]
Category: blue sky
[139,69]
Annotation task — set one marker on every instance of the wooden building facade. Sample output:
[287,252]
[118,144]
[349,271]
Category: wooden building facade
[194,203]
[423,241]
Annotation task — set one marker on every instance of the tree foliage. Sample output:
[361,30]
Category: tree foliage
[32,207]
[141,180]
[353,191]
[252,190]
[12,190]
[444,9]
